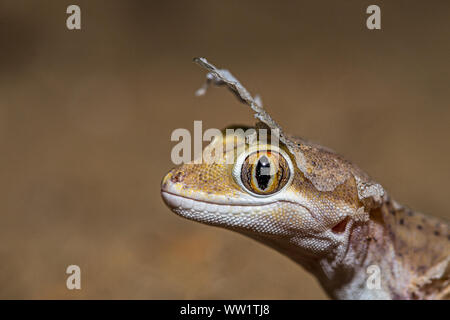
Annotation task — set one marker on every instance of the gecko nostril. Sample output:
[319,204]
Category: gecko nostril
[340,227]
[178,177]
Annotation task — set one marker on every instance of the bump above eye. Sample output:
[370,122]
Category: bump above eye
[264,172]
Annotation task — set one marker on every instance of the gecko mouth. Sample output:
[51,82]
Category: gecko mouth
[176,201]
[238,217]
[212,213]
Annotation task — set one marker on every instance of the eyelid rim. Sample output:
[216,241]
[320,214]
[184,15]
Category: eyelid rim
[236,173]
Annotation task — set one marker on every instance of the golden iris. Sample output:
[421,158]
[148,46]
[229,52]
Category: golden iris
[265,172]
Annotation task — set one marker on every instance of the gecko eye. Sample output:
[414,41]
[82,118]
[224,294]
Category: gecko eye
[264,172]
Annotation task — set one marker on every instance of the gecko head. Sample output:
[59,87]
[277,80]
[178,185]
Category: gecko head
[255,189]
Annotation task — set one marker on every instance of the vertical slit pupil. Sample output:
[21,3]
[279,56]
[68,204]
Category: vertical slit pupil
[263,172]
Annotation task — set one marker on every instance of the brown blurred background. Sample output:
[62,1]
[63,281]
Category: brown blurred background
[86,118]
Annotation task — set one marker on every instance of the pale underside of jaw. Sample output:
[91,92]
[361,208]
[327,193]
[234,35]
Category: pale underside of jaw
[280,218]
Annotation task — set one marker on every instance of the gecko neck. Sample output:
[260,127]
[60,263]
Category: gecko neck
[342,271]
[357,269]
[396,254]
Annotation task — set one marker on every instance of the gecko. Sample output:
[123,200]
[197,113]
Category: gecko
[313,206]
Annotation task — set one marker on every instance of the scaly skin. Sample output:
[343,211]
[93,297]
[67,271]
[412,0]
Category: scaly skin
[330,217]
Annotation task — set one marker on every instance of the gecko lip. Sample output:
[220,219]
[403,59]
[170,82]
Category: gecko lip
[248,217]
[170,199]
[195,209]
[176,202]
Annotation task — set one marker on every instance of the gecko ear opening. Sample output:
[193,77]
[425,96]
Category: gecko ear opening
[341,226]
